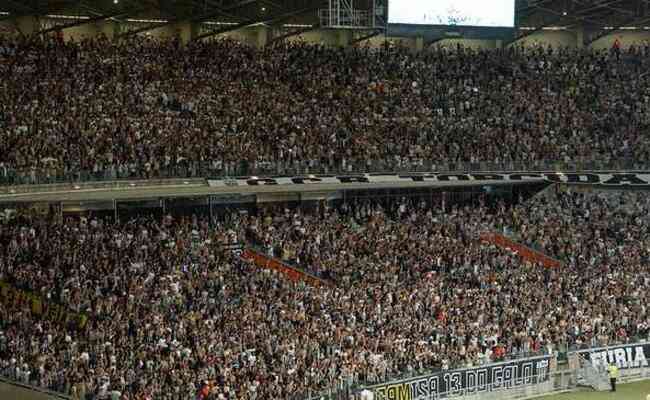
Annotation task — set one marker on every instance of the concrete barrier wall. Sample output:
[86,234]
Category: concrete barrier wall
[14,392]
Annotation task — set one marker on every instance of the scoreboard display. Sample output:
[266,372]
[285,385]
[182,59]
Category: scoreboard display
[492,13]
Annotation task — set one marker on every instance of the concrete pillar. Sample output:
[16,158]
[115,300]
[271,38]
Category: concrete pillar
[81,32]
[263,36]
[163,32]
[580,37]
[27,25]
[344,37]
[117,29]
[195,30]
[183,31]
[419,43]
[109,28]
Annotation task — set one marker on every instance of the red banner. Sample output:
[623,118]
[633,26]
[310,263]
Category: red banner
[524,251]
[293,274]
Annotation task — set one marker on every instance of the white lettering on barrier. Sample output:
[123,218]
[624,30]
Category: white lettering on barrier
[633,356]
[612,179]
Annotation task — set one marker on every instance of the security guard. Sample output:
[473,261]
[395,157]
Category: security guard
[612,370]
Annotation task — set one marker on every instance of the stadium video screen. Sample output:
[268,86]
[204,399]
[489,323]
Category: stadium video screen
[499,13]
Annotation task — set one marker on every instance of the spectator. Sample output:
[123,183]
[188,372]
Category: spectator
[147,108]
[169,309]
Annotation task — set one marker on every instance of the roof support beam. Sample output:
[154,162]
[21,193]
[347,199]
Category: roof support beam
[568,16]
[273,4]
[221,11]
[223,30]
[20,6]
[145,29]
[431,42]
[36,11]
[606,5]
[218,11]
[529,10]
[371,35]
[578,13]
[18,9]
[254,21]
[81,22]
[597,6]
[605,32]
[214,12]
[292,33]
[537,29]
[53,8]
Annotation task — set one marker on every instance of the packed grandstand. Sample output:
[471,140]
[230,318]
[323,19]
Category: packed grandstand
[150,108]
[164,309]
[415,290]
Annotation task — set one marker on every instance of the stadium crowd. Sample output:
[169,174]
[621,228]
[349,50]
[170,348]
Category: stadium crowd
[173,313]
[600,226]
[414,290]
[146,108]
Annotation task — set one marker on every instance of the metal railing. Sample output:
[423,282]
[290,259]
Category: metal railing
[550,382]
[591,376]
[344,386]
[203,169]
[558,381]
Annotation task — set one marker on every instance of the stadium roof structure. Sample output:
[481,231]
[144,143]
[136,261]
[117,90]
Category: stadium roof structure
[225,15]
[597,17]
[195,10]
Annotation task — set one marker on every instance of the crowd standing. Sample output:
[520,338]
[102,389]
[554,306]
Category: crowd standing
[600,226]
[141,107]
[173,315]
